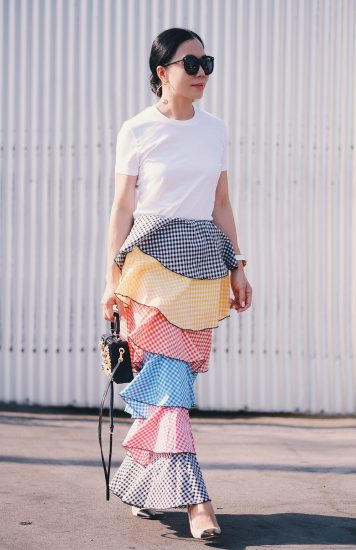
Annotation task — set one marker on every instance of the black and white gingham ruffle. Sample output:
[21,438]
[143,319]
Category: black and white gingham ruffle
[169,481]
[191,247]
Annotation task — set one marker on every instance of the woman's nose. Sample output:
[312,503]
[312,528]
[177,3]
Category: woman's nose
[200,72]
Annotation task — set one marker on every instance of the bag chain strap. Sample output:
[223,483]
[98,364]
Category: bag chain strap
[110,385]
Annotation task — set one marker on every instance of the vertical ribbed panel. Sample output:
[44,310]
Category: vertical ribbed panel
[285,83]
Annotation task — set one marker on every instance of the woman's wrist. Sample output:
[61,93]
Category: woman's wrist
[113,275]
[240,261]
[239,267]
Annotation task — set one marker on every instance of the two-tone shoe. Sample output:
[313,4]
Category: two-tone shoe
[145,513]
[204,533]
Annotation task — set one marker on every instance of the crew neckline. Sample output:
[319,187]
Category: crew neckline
[186,122]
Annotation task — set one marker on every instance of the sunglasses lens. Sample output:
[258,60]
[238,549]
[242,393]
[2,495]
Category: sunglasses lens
[191,64]
[208,65]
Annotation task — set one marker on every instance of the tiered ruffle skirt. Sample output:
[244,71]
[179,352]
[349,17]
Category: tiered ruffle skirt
[174,287]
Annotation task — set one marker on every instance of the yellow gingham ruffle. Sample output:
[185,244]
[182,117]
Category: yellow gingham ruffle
[193,304]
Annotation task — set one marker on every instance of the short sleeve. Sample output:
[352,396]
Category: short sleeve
[224,152]
[126,160]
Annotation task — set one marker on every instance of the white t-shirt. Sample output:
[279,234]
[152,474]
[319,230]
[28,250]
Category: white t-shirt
[178,162]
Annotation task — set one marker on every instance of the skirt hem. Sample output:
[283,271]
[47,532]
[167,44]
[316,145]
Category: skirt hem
[154,507]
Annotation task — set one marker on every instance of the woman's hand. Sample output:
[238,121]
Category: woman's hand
[108,301]
[242,290]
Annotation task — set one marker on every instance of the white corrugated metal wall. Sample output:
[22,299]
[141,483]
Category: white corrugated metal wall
[284,82]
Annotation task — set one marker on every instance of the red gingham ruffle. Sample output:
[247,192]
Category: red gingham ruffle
[147,329]
[166,430]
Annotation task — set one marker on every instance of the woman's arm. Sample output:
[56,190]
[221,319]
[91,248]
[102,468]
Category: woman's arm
[223,217]
[120,223]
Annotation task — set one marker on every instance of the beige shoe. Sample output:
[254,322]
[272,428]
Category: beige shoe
[208,533]
[145,513]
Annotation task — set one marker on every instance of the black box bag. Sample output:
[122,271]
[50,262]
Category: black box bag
[117,366]
[115,354]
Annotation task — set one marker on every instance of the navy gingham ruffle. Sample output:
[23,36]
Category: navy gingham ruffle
[171,480]
[191,247]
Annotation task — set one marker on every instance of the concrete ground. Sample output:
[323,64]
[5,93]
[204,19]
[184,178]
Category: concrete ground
[275,481]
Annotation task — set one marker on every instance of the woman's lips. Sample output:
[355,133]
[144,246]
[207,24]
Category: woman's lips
[198,85]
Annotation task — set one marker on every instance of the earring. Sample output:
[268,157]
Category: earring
[160,86]
[163,100]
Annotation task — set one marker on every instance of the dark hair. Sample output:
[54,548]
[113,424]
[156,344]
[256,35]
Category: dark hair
[163,48]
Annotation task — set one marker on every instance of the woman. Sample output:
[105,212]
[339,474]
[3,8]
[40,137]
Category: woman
[172,250]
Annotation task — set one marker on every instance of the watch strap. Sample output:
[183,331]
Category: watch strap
[241,257]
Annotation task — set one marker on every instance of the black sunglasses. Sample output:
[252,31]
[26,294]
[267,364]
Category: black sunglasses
[192,63]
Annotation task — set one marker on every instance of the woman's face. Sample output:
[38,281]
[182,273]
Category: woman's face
[179,82]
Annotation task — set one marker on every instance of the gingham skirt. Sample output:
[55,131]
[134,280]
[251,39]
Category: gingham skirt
[174,287]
